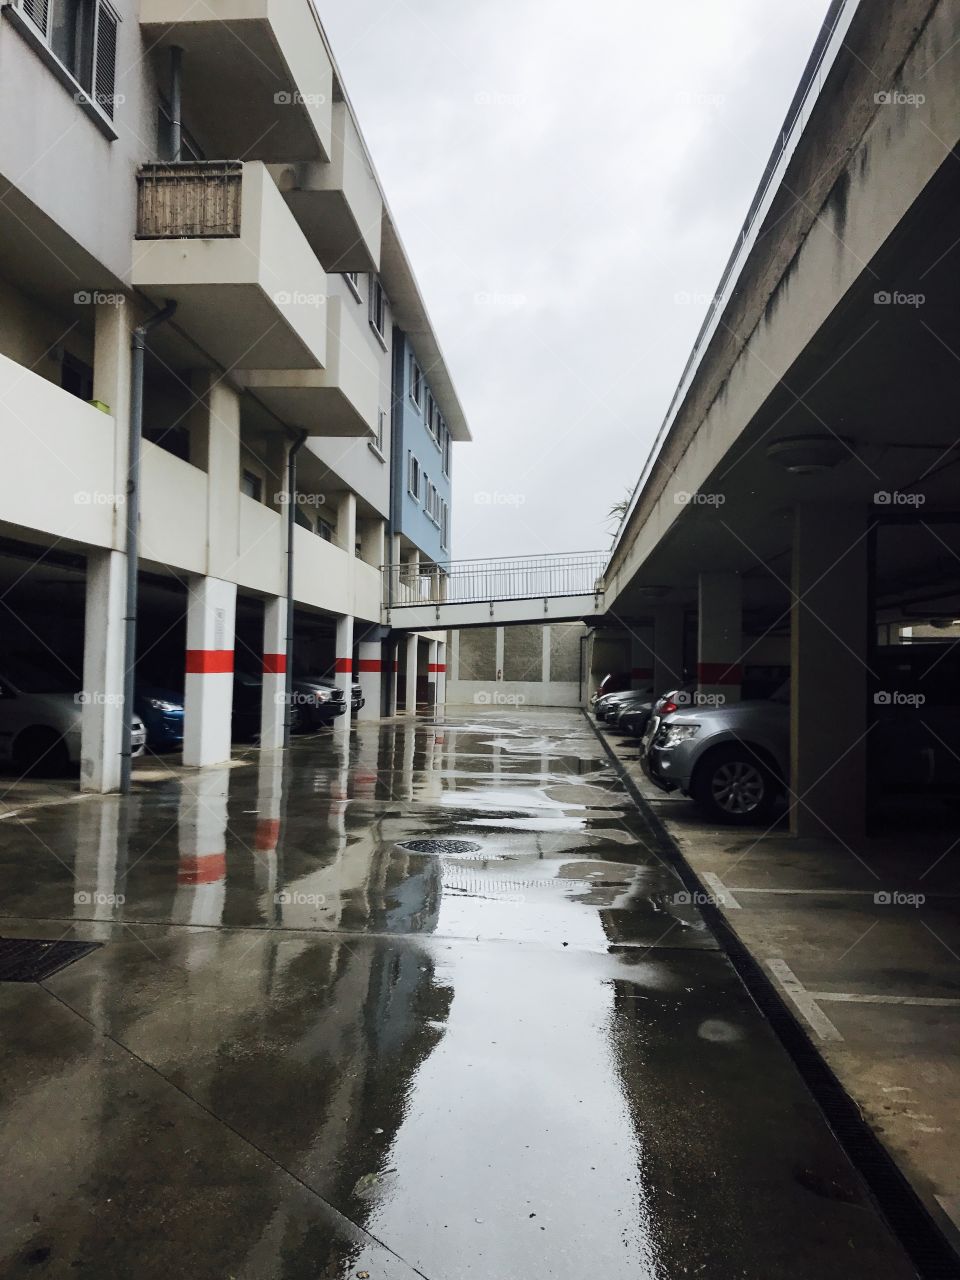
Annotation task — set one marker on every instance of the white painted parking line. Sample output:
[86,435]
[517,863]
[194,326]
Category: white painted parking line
[856,997]
[806,1005]
[723,895]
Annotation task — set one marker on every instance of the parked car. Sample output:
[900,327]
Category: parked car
[612,682]
[40,716]
[623,705]
[317,702]
[357,700]
[161,711]
[605,706]
[732,760]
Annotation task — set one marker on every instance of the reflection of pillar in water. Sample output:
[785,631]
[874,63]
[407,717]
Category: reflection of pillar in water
[99,865]
[202,828]
[267,834]
[409,748]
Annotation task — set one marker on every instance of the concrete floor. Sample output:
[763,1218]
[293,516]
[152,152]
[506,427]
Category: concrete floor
[872,930]
[303,1051]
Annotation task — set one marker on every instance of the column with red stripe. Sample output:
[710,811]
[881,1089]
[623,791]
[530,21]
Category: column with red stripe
[208,686]
[433,668]
[370,676]
[719,639]
[344,667]
[274,697]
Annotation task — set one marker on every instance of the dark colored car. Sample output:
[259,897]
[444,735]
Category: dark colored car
[316,703]
[161,710]
[357,700]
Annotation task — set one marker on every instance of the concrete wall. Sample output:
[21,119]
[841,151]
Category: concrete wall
[535,665]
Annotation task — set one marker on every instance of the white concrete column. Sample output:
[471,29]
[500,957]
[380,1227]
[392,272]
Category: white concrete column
[641,656]
[499,652]
[720,638]
[667,648]
[373,535]
[433,670]
[347,522]
[111,387]
[370,675]
[208,701]
[545,656]
[214,424]
[828,688]
[101,719]
[410,701]
[441,674]
[274,697]
[393,655]
[343,668]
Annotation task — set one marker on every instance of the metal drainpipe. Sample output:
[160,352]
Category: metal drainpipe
[138,345]
[176,107]
[291,526]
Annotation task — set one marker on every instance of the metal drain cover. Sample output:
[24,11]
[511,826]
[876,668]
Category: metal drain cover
[33,959]
[452,847]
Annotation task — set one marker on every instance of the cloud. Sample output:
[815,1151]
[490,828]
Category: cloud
[559,175]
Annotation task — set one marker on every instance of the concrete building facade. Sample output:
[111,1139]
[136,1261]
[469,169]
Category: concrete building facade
[267,393]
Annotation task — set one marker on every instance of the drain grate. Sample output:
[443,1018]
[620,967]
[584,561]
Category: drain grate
[33,959]
[452,847]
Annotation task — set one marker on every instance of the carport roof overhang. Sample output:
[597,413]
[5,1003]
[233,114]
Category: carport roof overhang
[877,380]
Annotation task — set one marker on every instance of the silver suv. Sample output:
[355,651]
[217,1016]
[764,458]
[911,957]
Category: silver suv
[732,760]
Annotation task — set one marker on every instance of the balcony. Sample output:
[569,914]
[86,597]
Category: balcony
[338,205]
[218,239]
[255,73]
[342,399]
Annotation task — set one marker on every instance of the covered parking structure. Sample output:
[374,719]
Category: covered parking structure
[801,498]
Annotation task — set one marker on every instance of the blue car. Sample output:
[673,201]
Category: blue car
[161,710]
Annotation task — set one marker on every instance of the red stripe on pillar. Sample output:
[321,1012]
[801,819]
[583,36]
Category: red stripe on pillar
[268,834]
[641,673]
[719,673]
[204,870]
[208,662]
[369,664]
[343,666]
[274,664]
[437,666]
[396,667]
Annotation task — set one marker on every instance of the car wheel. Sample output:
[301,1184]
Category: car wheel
[40,751]
[733,785]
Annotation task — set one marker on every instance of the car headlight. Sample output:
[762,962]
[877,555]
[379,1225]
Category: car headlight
[671,735]
[161,704]
[323,695]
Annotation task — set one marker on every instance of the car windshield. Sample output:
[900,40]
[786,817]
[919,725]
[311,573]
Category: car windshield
[30,676]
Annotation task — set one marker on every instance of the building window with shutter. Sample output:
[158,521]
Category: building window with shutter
[82,37]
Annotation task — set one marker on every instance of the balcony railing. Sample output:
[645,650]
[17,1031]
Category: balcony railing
[189,200]
[477,581]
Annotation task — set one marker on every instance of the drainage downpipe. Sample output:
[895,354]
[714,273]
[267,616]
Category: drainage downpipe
[138,345]
[176,103]
[295,448]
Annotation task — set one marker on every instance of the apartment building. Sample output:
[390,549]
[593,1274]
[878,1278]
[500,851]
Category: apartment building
[190,183]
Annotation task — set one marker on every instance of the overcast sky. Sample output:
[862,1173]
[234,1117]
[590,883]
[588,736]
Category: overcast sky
[560,173]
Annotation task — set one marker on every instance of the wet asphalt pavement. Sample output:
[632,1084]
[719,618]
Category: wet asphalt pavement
[306,1051]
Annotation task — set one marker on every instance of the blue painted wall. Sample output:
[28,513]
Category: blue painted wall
[411,435]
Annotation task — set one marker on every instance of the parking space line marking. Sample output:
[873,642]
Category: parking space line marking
[856,997]
[806,1005]
[723,895]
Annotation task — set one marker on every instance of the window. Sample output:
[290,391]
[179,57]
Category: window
[353,284]
[445,450]
[432,503]
[378,311]
[431,415]
[251,485]
[82,36]
[381,430]
[416,383]
[326,530]
[413,477]
[444,526]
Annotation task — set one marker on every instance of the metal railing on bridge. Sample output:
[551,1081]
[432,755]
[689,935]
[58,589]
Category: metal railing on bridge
[477,581]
